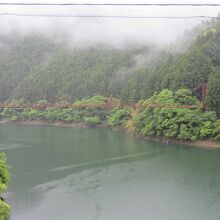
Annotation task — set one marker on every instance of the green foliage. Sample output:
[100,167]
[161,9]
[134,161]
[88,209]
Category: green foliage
[4,173]
[206,129]
[92,120]
[117,116]
[195,68]
[184,97]
[165,97]
[185,132]
[216,130]
[43,102]
[135,89]
[188,69]
[4,178]
[90,111]
[19,59]
[94,101]
[160,115]
[14,118]
[70,73]
[213,98]
[31,114]
[180,123]
[7,112]
[4,211]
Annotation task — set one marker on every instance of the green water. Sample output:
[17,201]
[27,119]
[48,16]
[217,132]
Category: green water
[63,173]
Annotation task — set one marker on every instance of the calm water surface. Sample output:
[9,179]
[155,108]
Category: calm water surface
[63,173]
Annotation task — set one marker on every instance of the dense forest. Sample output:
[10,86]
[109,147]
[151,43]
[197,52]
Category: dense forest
[38,69]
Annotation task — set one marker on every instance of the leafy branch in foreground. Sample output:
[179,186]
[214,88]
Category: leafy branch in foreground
[4,178]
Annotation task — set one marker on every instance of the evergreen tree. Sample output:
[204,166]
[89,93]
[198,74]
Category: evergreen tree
[213,97]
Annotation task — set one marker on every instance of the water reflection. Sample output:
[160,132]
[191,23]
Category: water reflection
[108,174]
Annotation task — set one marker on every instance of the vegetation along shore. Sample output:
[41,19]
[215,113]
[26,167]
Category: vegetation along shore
[163,117]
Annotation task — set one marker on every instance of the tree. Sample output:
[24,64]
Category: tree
[4,178]
[184,97]
[213,97]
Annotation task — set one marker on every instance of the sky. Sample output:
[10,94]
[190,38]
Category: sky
[105,30]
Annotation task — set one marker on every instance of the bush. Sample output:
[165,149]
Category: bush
[184,97]
[4,173]
[14,118]
[97,101]
[42,102]
[181,123]
[117,116]
[92,120]
[4,178]
[206,129]
[216,130]
[32,114]
[157,116]
[185,132]
[4,210]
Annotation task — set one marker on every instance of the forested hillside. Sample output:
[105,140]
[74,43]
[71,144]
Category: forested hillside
[19,56]
[188,69]
[36,67]
[71,73]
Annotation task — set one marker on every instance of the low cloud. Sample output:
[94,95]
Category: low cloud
[112,31]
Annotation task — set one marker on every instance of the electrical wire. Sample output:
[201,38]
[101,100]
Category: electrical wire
[110,16]
[113,4]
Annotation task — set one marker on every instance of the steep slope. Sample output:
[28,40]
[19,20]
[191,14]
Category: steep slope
[72,73]
[188,69]
[18,58]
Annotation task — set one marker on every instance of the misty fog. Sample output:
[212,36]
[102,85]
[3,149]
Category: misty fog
[112,31]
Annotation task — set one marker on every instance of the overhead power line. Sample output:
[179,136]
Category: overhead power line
[112,4]
[108,16]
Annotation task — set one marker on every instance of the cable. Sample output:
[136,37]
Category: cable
[109,16]
[112,4]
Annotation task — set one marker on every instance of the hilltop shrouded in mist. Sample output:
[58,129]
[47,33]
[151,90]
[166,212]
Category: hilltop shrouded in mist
[37,66]
[56,58]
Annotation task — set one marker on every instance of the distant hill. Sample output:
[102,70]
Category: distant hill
[187,69]
[37,67]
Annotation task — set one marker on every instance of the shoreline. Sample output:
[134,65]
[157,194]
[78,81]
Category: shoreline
[207,144]
[55,123]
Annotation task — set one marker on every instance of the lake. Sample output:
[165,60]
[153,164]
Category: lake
[60,173]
